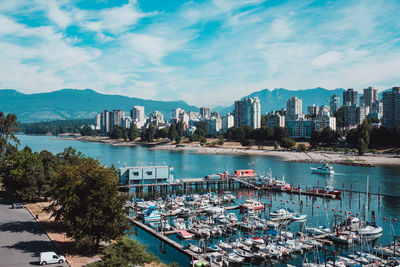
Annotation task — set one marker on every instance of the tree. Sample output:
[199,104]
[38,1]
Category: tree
[220,140]
[339,114]
[172,132]
[133,132]
[23,174]
[85,196]
[315,138]
[364,130]
[276,145]
[8,127]
[125,252]
[280,133]
[180,129]
[235,134]
[150,133]
[202,125]
[301,148]
[287,143]
[248,142]
[329,136]
[117,132]
[87,131]
[161,133]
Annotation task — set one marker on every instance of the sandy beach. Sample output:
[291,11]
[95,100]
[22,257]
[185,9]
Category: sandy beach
[234,148]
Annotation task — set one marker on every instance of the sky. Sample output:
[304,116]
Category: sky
[208,52]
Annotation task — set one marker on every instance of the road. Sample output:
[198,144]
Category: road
[21,237]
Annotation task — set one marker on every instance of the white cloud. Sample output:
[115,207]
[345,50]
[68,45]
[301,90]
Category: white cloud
[57,15]
[327,59]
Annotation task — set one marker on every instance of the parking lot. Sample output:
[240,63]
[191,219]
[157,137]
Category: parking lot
[21,237]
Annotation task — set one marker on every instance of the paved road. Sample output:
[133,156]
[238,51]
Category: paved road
[21,237]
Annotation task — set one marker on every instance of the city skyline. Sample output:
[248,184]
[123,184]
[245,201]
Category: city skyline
[203,52]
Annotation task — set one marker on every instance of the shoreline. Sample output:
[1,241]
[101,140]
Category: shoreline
[232,148]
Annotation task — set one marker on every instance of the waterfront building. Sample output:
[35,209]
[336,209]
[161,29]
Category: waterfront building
[138,116]
[157,118]
[274,120]
[391,108]
[175,113]
[294,109]
[350,116]
[228,121]
[300,128]
[194,116]
[376,110]
[361,114]
[370,97]
[350,97]
[215,114]
[126,122]
[214,126]
[205,112]
[334,102]
[146,175]
[247,112]
[313,110]
[98,121]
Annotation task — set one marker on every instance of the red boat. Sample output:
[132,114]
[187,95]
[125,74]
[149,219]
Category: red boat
[252,205]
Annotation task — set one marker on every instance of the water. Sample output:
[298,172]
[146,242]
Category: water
[188,164]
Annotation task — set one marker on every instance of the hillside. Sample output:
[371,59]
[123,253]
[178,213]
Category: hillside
[76,104]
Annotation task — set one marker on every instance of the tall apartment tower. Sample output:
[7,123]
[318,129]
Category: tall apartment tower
[350,97]
[205,112]
[334,102]
[105,121]
[247,112]
[294,108]
[138,116]
[117,117]
[391,108]
[370,96]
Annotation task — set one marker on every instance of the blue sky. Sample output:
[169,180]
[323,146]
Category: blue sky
[207,52]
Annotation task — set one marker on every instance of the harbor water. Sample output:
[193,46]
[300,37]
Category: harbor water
[320,211]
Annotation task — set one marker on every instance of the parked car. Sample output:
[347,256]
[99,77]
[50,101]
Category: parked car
[50,257]
[17,206]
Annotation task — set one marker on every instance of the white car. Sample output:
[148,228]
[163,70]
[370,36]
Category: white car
[50,257]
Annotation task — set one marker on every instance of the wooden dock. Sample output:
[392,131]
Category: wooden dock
[166,239]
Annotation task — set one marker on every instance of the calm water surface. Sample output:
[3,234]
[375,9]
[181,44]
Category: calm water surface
[188,164]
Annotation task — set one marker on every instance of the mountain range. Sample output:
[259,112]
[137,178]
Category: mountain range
[76,104]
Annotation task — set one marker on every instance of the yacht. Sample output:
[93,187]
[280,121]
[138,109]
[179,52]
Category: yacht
[282,214]
[251,205]
[323,169]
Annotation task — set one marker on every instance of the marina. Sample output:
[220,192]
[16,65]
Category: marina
[382,197]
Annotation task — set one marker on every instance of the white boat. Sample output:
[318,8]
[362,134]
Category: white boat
[251,204]
[194,248]
[152,215]
[323,169]
[224,245]
[318,230]
[300,217]
[179,223]
[282,214]
[231,217]
[234,258]
[214,210]
[222,219]
[370,230]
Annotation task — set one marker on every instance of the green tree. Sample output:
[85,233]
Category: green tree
[150,133]
[85,196]
[161,133]
[202,125]
[315,138]
[220,140]
[329,136]
[8,127]
[180,129]
[87,131]
[287,143]
[23,174]
[301,148]
[125,252]
[172,132]
[339,114]
[133,132]
[276,145]
[280,133]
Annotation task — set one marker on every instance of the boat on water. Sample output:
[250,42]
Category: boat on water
[194,248]
[282,214]
[184,234]
[323,169]
[251,204]
[299,217]
[151,215]
[370,230]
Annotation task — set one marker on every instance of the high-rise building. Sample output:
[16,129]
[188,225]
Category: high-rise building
[215,114]
[98,121]
[370,96]
[391,108]
[214,125]
[117,116]
[106,122]
[324,111]
[350,97]
[247,112]
[361,113]
[274,120]
[320,123]
[377,109]
[313,110]
[194,115]
[157,118]
[334,102]
[228,121]
[350,116]
[175,113]
[300,128]
[138,116]
[205,112]
[294,108]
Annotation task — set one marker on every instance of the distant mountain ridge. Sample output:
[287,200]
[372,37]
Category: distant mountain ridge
[276,99]
[76,104]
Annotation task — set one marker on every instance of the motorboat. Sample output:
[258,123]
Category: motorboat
[243,254]
[251,204]
[224,245]
[212,248]
[231,217]
[179,223]
[222,219]
[214,210]
[370,230]
[320,230]
[151,215]
[325,169]
[299,217]
[194,248]
[235,258]
[282,214]
[184,234]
